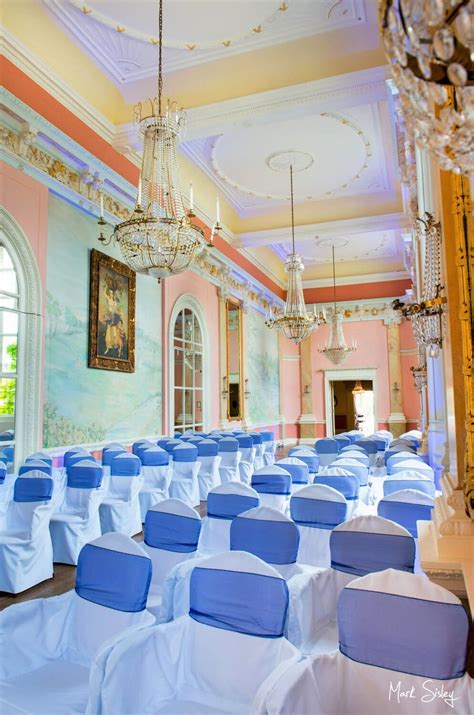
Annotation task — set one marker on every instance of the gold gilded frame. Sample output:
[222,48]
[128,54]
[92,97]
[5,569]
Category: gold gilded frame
[238,305]
[99,259]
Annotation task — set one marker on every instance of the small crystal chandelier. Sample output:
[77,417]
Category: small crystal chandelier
[294,322]
[159,238]
[336,349]
[430,46]
[428,316]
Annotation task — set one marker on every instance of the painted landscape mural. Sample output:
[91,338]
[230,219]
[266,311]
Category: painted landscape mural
[85,405]
[261,345]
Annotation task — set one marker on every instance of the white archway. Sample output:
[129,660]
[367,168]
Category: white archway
[189,301]
[28,413]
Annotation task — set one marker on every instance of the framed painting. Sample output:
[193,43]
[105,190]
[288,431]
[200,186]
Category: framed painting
[111,314]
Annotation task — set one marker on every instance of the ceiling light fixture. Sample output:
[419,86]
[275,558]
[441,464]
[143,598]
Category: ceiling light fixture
[159,238]
[336,349]
[294,322]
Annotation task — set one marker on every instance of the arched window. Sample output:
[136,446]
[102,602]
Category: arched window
[9,304]
[188,368]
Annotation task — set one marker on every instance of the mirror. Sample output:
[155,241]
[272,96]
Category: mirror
[234,359]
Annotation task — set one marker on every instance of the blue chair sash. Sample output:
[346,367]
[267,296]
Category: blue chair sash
[78,457]
[327,446]
[405,514]
[228,506]
[267,436]
[136,445]
[84,476]
[317,513]
[253,604]
[28,489]
[155,457]
[35,465]
[271,483]
[345,485]
[256,438]
[42,457]
[185,453]
[405,634]
[70,453]
[361,471]
[3,472]
[208,448]
[245,441]
[392,485]
[299,472]
[367,445]
[275,542]
[309,459]
[228,444]
[171,444]
[109,454]
[126,465]
[360,553]
[113,579]
[172,532]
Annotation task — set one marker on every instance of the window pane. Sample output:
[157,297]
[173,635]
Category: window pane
[188,326]
[178,406]
[8,345]
[8,301]
[188,408]
[178,368]
[178,327]
[198,370]
[7,403]
[188,368]
[198,405]
[197,331]
[7,272]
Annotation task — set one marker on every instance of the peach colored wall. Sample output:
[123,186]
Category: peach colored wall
[411,401]
[290,386]
[206,294]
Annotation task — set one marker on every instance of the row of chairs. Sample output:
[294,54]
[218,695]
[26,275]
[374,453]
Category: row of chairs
[97,648]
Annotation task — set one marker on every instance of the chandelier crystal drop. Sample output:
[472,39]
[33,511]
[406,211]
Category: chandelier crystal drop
[430,45]
[294,322]
[336,349]
[159,238]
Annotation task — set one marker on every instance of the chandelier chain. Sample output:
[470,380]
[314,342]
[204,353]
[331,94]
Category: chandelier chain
[292,209]
[160,54]
[334,277]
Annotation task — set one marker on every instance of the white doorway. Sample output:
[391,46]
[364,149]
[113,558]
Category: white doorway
[340,406]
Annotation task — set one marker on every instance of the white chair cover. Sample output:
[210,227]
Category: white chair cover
[209,459]
[184,482]
[345,483]
[51,642]
[247,457]
[77,521]
[360,546]
[273,485]
[298,470]
[316,510]
[269,447]
[390,659]
[259,450]
[408,480]
[307,455]
[413,465]
[398,457]
[156,474]
[407,507]
[327,450]
[26,551]
[120,508]
[358,470]
[108,453]
[172,530]
[211,661]
[357,454]
[230,458]
[224,503]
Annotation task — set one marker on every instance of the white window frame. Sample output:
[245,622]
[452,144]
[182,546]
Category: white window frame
[28,412]
[189,301]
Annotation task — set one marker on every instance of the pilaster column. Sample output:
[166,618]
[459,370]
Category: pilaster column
[307,420]
[397,421]
[223,296]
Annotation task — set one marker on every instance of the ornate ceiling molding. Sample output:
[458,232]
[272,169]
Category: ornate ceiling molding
[358,280]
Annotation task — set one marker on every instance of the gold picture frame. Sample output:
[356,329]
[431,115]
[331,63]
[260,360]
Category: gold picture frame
[111,314]
[235,407]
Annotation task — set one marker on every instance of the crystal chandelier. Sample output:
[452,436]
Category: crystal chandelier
[294,322]
[159,238]
[430,46]
[428,316]
[336,349]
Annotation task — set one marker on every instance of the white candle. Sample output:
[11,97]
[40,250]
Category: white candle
[218,211]
[102,206]
[191,197]
[139,197]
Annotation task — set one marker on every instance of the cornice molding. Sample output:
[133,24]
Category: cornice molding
[358,280]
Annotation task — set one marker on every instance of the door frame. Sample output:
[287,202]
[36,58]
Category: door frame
[340,374]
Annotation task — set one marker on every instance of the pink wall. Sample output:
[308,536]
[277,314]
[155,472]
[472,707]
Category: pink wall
[206,294]
[409,358]
[290,386]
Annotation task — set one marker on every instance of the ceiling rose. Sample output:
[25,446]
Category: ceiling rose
[330,242]
[282,160]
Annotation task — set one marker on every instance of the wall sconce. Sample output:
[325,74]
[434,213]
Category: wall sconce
[306,390]
[396,388]
[225,389]
[246,389]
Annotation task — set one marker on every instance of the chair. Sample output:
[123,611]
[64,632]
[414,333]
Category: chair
[395,450]
[257,440]
[43,456]
[269,447]
[108,453]
[342,440]
[136,446]
[52,642]
[407,507]
[317,510]
[212,660]
[370,448]
[308,456]
[163,442]
[353,466]
[273,485]
[408,480]
[224,503]
[230,458]
[380,441]
[77,521]
[26,552]
[120,509]
[345,483]
[35,465]
[247,457]
[353,453]
[3,472]
[327,450]
[414,465]
[171,444]
[172,530]
[298,470]
[390,660]
[184,482]
[209,459]
[360,546]
[398,457]
[156,475]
